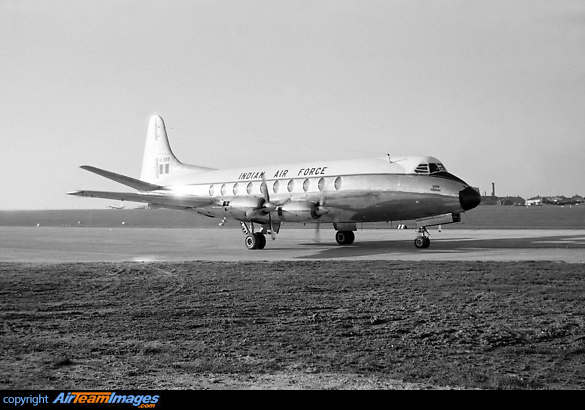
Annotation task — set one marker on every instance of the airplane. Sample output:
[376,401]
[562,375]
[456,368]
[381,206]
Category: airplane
[262,198]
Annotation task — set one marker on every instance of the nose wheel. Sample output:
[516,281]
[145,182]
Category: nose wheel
[422,241]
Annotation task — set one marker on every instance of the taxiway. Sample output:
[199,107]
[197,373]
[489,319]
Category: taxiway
[79,244]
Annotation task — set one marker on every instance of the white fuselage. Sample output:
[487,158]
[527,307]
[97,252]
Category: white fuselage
[353,191]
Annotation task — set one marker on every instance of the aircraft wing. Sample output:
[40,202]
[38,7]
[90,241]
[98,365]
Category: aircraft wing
[159,199]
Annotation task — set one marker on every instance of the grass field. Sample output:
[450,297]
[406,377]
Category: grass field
[348,325]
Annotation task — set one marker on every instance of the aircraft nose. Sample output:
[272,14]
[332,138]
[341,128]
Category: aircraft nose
[469,198]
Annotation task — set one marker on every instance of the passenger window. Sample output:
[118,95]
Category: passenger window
[211,190]
[223,189]
[275,186]
[321,184]
[338,183]
[291,185]
[236,189]
[249,188]
[306,185]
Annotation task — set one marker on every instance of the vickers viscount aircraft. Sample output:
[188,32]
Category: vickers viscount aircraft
[261,198]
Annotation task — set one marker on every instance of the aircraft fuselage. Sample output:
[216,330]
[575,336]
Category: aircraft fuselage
[376,193]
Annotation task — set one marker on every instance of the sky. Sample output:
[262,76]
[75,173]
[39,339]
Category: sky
[494,89]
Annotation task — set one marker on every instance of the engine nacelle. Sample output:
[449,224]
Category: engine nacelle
[297,211]
[244,207]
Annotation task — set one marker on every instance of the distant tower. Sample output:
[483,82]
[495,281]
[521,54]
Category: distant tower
[493,189]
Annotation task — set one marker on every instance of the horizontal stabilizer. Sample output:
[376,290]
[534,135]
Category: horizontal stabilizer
[163,200]
[122,179]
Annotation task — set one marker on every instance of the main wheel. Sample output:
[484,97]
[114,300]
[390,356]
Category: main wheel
[252,241]
[261,240]
[344,237]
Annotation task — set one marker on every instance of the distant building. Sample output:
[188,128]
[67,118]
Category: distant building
[538,200]
[554,200]
[511,200]
[534,202]
[562,200]
[488,200]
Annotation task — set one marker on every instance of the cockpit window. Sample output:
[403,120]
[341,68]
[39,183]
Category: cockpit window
[422,168]
[430,168]
[436,167]
[436,170]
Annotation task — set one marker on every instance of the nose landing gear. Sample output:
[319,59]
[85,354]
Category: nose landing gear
[422,241]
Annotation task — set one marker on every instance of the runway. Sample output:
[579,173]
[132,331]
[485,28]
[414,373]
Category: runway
[79,244]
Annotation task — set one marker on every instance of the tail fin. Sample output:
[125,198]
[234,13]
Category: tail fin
[159,162]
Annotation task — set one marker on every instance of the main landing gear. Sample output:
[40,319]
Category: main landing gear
[253,240]
[344,237]
[422,241]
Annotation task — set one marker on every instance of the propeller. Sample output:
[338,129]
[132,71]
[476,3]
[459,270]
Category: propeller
[319,211]
[321,208]
[268,206]
[318,232]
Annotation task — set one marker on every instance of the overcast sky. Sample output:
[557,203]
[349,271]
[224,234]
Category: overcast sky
[494,89]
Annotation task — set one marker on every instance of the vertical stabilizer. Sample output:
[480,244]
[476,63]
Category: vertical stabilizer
[159,162]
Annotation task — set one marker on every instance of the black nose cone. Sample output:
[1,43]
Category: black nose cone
[469,198]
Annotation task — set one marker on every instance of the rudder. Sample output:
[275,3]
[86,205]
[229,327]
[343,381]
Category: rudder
[159,162]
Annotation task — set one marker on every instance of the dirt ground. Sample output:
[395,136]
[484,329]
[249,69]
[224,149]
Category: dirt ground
[292,325]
